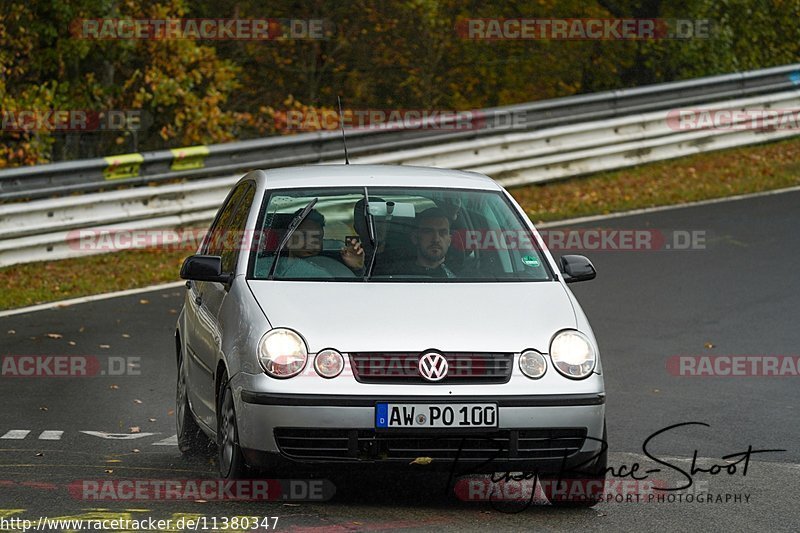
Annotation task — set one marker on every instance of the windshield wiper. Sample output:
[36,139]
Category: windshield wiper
[372,238]
[296,221]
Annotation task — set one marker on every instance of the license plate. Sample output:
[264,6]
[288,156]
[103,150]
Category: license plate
[431,415]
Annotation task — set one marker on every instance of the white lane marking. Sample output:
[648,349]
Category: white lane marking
[16,434]
[92,298]
[169,441]
[555,223]
[56,434]
[118,436]
[51,434]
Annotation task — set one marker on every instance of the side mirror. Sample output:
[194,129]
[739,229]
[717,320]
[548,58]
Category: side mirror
[576,268]
[204,268]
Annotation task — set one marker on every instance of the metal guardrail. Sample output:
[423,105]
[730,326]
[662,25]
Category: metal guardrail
[200,162]
[47,228]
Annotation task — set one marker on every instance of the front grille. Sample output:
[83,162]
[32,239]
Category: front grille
[369,445]
[463,368]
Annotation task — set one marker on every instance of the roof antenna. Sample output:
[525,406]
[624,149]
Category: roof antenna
[341,123]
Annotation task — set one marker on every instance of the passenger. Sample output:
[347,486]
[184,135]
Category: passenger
[431,239]
[304,253]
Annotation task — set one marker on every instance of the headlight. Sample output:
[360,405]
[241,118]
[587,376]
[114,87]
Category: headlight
[573,354]
[329,363]
[533,364]
[282,353]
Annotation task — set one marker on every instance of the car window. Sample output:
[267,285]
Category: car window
[421,234]
[224,240]
[232,243]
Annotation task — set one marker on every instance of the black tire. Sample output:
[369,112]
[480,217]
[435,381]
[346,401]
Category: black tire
[230,459]
[594,479]
[191,439]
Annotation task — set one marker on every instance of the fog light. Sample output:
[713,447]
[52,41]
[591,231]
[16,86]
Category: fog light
[533,364]
[329,363]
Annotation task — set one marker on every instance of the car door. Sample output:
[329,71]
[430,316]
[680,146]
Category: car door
[206,298]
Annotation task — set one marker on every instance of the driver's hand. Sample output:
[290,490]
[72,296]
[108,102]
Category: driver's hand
[353,256]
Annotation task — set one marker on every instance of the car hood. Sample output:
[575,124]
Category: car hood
[370,317]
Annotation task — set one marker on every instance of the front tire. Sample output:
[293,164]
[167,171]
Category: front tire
[230,458]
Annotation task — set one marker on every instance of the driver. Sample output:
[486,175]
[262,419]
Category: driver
[431,239]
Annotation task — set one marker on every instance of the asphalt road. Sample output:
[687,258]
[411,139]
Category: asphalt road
[735,296]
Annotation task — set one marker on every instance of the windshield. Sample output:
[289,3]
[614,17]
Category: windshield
[419,235]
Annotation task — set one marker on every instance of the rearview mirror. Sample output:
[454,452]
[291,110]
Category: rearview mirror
[204,268]
[391,209]
[576,268]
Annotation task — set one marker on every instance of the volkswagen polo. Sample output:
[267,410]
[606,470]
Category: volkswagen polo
[386,315]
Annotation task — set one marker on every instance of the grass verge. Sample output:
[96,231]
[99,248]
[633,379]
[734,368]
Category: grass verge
[699,177]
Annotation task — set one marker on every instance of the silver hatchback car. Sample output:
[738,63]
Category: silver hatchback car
[402,316]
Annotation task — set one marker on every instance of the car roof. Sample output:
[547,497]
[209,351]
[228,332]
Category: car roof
[373,176]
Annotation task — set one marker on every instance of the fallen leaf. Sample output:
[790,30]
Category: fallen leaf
[421,461]
[126,336]
[43,408]
[80,330]
[708,345]
[109,471]
[135,450]
[201,501]
[656,390]
[39,454]
[171,412]
[135,429]
[173,311]
[144,301]
[137,401]
[72,343]
[113,387]
[11,332]
[105,346]
[152,419]
[55,335]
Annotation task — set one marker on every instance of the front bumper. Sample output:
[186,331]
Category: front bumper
[548,432]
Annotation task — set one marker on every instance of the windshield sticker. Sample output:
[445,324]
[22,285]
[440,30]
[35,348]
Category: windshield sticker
[531,260]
